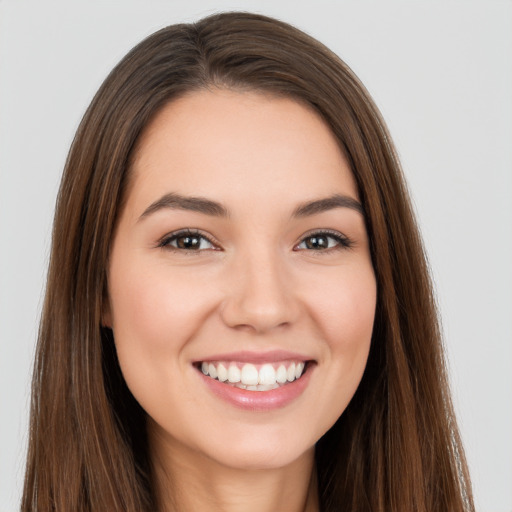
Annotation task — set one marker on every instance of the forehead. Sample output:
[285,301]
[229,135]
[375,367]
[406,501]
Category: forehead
[239,145]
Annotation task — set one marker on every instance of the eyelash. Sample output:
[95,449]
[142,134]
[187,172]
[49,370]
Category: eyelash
[342,242]
[182,233]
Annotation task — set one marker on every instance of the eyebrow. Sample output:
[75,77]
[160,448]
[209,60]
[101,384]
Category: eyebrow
[179,202]
[208,207]
[326,204]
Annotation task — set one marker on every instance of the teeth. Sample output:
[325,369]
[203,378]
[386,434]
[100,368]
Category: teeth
[212,371]
[222,373]
[233,373]
[249,377]
[290,374]
[281,374]
[259,387]
[299,368]
[267,375]
[267,387]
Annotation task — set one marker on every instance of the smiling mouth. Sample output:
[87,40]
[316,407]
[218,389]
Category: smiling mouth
[254,377]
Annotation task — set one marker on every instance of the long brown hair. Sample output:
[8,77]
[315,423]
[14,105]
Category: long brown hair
[395,448]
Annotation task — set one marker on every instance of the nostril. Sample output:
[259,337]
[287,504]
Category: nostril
[246,315]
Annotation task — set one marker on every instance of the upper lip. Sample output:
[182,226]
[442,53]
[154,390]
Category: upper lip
[245,356]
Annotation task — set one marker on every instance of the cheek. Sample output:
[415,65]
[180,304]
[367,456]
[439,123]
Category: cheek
[154,315]
[152,307]
[345,311]
[345,314]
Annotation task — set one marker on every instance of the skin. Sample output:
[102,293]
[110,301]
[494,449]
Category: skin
[258,286]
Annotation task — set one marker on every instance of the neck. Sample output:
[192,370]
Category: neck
[187,481]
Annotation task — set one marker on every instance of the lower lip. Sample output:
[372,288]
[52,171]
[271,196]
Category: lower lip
[259,400]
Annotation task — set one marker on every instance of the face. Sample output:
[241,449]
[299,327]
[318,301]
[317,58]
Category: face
[241,288]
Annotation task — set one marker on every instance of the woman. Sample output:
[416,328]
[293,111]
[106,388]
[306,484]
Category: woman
[238,312]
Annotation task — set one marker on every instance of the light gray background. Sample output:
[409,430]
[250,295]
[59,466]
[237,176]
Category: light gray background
[441,73]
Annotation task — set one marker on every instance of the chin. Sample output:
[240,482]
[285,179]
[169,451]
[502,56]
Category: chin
[254,451]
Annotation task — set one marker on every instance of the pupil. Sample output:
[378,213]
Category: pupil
[317,242]
[188,242]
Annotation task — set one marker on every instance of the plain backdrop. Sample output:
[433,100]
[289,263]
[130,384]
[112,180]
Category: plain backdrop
[441,73]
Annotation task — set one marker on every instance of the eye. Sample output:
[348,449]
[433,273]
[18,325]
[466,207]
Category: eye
[187,240]
[324,241]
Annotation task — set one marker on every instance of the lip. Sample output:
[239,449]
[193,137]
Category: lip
[272,356]
[260,400]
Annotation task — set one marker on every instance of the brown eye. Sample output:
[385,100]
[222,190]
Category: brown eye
[187,241]
[317,242]
[324,241]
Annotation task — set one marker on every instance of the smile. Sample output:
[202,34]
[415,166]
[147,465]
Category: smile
[257,381]
[254,377]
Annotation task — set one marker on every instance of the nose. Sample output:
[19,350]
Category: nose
[260,296]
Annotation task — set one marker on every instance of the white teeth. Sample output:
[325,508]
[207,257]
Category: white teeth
[267,375]
[259,387]
[291,373]
[249,375]
[233,373]
[299,369]
[267,387]
[281,375]
[222,373]
[212,371]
